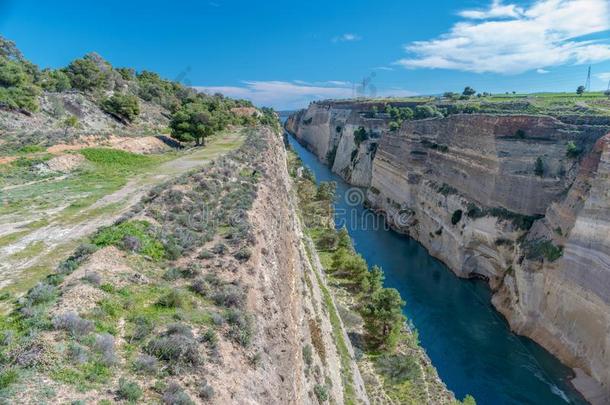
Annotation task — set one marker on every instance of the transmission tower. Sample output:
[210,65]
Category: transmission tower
[588,83]
[608,89]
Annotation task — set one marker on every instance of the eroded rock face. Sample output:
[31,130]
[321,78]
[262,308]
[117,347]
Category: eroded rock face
[469,188]
[327,130]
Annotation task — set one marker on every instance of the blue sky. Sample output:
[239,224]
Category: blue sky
[286,55]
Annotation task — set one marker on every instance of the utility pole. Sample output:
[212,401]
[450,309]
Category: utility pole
[588,83]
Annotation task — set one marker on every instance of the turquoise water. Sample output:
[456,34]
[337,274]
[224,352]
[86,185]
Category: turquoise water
[467,340]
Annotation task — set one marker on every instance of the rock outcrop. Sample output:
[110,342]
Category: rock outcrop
[497,197]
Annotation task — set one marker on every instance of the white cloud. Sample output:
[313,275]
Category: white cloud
[496,10]
[347,37]
[510,39]
[383,68]
[278,94]
[293,95]
[542,71]
[605,77]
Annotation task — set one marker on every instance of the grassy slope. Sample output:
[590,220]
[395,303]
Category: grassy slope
[43,360]
[65,202]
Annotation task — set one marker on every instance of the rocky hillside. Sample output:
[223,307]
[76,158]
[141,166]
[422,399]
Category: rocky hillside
[90,97]
[198,295]
[518,199]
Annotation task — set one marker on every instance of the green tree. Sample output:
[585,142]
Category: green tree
[124,107]
[427,111]
[394,126]
[70,122]
[469,91]
[128,74]
[376,278]
[572,150]
[383,318]
[580,90]
[345,241]
[360,135]
[17,88]
[193,122]
[607,93]
[352,267]
[54,80]
[89,73]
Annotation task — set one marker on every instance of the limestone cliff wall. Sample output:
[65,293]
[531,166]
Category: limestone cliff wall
[468,188]
[286,306]
[327,130]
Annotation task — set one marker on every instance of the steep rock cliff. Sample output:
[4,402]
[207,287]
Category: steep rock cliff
[499,197]
[328,131]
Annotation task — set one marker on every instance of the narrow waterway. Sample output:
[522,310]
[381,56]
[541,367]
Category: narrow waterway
[467,340]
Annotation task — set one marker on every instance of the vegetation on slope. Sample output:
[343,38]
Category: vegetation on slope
[387,351]
[120,92]
[139,328]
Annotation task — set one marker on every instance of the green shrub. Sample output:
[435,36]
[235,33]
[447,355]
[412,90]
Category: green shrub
[175,395]
[173,299]
[243,254]
[125,107]
[360,135]
[41,293]
[572,150]
[426,111]
[230,296]
[55,80]
[321,392]
[240,326]
[103,345]
[308,354]
[17,76]
[456,217]
[176,346]
[446,190]
[73,324]
[145,364]
[90,73]
[142,327]
[539,248]
[206,392]
[116,234]
[398,368]
[129,390]
[8,376]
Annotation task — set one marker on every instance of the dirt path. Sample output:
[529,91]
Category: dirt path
[35,252]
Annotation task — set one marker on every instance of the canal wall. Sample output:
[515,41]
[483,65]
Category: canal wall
[501,197]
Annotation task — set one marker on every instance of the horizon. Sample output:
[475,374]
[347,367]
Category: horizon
[284,58]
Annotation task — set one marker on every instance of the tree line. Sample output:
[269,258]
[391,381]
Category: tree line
[119,92]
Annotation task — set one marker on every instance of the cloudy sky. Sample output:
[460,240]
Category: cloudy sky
[285,56]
